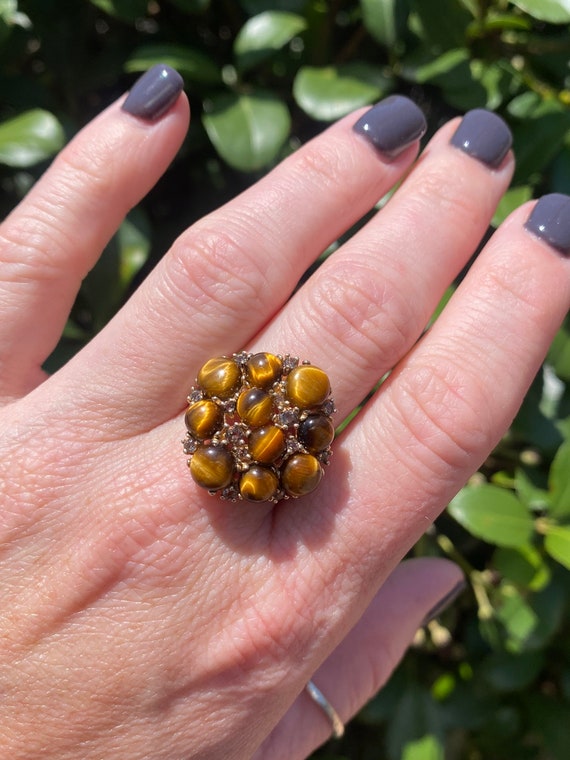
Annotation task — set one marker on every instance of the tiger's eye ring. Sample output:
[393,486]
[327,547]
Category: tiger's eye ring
[258,427]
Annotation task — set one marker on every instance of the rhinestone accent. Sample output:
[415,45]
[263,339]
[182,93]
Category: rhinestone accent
[189,445]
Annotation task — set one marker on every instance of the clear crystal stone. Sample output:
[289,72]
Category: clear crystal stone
[289,363]
[287,418]
[195,395]
[241,358]
[190,445]
[235,434]
[294,446]
[328,407]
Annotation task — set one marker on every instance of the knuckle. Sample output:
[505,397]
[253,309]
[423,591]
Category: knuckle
[325,164]
[213,267]
[366,314]
[445,415]
[31,245]
[448,197]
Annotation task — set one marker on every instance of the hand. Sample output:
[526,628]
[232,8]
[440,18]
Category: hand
[143,618]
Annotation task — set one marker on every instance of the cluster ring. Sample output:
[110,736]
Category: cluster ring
[259,427]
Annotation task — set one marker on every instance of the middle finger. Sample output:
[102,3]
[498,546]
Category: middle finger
[367,305]
[226,276]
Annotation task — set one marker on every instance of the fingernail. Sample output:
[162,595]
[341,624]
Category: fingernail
[392,125]
[550,221]
[152,95]
[445,601]
[483,135]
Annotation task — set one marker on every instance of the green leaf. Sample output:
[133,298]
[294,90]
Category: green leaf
[382,707]
[248,130]
[192,64]
[524,567]
[531,488]
[264,34]
[427,748]
[494,22]
[549,606]
[533,424]
[524,106]
[557,544]
[559,482]
[509,672]
[384,19]
[517,616]
[330,92]
[29,138]
[511,200]
[126,10]
[553,11]
[493,514]
[465,82]
[105,287]
[559,353]
[433,69]
[538,139]
[560,171]
[12,16]
[133,238]
[548,721]
[416,716]
[443,23]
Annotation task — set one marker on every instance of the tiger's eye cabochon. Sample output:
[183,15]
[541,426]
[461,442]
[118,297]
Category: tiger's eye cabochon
[258,427]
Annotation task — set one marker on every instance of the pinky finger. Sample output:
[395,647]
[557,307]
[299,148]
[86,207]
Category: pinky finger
[415,592]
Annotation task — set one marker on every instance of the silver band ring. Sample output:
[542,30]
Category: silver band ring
[319,698]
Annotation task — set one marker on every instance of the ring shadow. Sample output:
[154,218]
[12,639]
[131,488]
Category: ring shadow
[276,531]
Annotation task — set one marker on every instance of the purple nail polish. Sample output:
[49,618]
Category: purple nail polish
[152,95]
[392,125]
[484,136]
[445,601]
[550,221]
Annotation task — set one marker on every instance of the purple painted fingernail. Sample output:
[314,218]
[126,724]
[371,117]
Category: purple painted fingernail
[550,221]
[152,95]
[392,125]
[484,136]
[445,601]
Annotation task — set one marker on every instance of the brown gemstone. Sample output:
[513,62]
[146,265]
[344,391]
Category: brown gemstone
[255,407]
[203,419]
[263,369]
[266,444]
[307,386]
[219,377]
[301,474]
[258,483]
[316,432]
[212,467]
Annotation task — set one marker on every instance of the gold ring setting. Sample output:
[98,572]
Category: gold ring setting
[259,427]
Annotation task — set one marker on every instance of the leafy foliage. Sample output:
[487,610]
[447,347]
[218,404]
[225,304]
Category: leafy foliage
[492,679]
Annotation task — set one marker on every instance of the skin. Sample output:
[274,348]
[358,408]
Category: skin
[143,618]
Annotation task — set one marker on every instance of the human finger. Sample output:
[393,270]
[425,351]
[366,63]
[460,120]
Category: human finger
[448,402]
[416,592]
[52,239]
[227,275]
[374,297]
